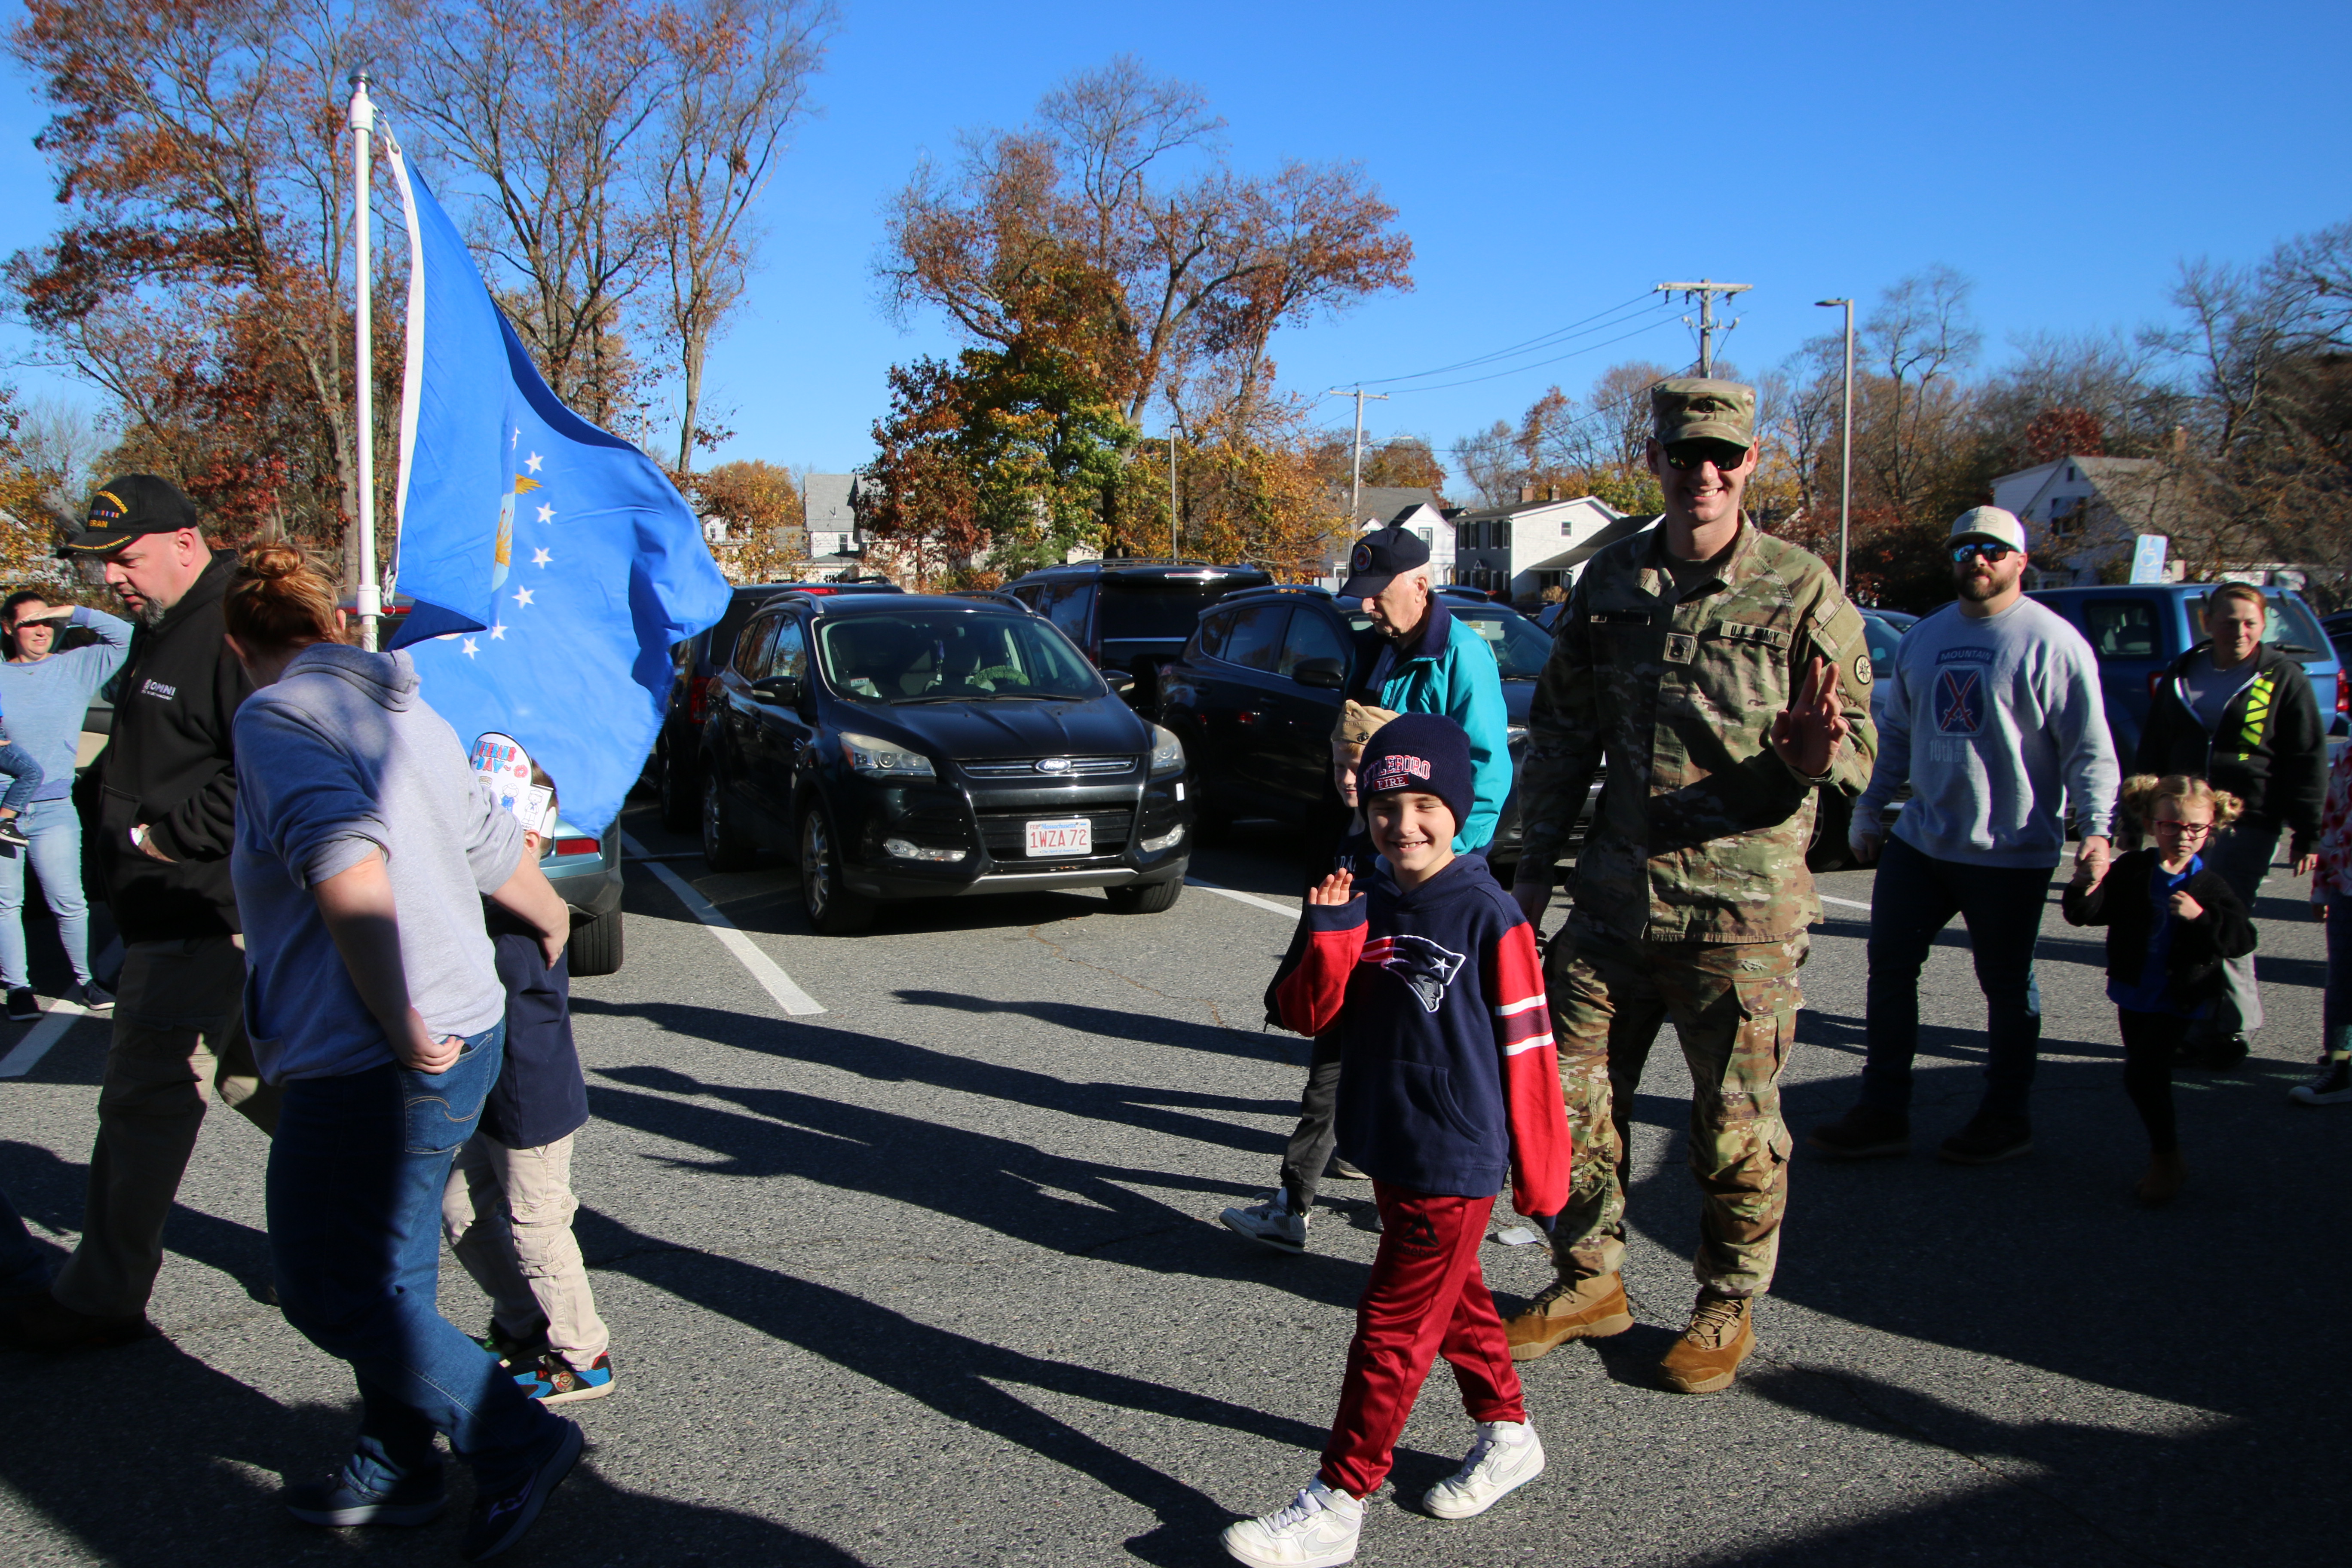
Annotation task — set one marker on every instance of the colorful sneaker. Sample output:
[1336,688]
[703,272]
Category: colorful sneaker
[1319,1528]
[501,1513]
[23,1006]
[1507,1456]
[1269,1224]
[555,1381]
[338,1505]
[2332,1087]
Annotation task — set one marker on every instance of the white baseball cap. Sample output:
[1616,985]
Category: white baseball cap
[1991,524]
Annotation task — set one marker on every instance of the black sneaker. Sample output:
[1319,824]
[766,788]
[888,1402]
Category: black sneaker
[23,1006]
[1865,1132]
[95,998]
[2215,1056]
[337,1504]
[517,1355]
[502,1513]
[1988,1140]
[2333,1086]
[11,834]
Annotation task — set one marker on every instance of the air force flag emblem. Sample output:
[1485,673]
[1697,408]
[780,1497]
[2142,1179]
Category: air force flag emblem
[1420,963]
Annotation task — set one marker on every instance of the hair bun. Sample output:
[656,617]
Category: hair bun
[271,561]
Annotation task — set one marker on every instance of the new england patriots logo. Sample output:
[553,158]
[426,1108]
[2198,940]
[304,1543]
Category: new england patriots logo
[1420,963]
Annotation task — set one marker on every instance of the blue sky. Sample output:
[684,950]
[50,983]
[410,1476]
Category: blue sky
[1552,160]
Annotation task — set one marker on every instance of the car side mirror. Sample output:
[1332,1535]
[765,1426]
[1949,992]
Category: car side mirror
[1326,673]
[1118,681]
[784,689]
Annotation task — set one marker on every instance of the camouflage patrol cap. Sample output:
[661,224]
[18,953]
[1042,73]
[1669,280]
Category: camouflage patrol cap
[1687,408]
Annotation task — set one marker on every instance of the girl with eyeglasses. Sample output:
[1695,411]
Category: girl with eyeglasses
[2172,923]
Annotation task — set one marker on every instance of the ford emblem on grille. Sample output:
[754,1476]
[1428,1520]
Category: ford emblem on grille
[1053,765]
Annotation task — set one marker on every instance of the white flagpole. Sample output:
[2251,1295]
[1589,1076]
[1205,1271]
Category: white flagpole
[364,360]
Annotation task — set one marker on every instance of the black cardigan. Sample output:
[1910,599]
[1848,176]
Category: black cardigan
[2193,966]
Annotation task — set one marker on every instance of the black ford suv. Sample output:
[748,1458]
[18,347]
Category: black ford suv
[921,747]
[1132,616]
[1258,688]
[675,767]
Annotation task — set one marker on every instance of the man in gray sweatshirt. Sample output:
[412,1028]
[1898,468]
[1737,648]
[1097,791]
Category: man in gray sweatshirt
[1997,723]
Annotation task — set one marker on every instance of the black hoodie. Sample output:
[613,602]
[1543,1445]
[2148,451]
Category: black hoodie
[169,766]
[2270,749]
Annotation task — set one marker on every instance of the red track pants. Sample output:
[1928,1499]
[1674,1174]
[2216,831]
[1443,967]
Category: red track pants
[1425,1299]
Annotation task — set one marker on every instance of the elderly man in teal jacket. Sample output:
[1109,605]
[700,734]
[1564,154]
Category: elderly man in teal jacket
[1433,664]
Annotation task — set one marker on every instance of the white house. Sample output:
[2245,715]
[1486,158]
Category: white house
[1535,545]
[830,503]
[2084,513]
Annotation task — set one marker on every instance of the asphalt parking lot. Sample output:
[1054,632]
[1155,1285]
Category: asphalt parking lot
[932,1276]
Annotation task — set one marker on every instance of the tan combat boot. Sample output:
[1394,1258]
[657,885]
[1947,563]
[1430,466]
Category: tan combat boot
[1722,1331]
[1591,1308]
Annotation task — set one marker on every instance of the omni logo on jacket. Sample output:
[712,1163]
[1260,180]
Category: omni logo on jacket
[1420,963]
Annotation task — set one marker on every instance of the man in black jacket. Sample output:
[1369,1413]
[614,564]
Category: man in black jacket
[2241,716]
[165,823]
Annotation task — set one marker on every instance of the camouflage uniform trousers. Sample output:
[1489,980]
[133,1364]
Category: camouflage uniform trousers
[1734,1005]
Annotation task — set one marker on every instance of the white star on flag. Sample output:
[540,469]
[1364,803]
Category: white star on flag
[469,647]
[533,462]
[539,557]
[522,596]
[499,632]
[546,513]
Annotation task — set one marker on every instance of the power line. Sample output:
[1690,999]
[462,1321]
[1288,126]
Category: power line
[1542,340]
[1651,326]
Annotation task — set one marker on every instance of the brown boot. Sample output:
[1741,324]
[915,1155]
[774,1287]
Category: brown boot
[1591,1308]
[2165,1175]
[1722,1331]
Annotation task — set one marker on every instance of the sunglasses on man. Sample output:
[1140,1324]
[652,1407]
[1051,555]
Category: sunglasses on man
[1996,553]
[1684,456]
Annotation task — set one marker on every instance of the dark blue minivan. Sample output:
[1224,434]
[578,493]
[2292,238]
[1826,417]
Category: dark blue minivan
[2139,629]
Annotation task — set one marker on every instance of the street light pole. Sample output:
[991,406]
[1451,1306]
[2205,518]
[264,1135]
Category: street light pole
[1846,439]
[1174,555]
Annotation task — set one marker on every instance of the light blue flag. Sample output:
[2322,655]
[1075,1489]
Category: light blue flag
[553,565]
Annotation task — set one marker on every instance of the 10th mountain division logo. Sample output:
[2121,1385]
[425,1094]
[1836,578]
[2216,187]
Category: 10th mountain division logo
[1960,701]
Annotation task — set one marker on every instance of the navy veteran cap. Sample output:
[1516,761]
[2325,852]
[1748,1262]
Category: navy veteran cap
[125,508]
[1380,557]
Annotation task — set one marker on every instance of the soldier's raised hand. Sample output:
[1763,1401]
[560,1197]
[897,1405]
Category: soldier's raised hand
[1807,733]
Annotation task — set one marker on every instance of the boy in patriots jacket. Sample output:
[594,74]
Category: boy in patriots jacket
[1448,1088]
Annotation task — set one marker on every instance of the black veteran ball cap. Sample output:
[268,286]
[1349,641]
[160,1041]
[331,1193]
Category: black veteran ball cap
[125,508]
[1380,557]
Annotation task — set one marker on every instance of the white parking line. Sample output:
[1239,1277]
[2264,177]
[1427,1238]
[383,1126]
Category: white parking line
[1849,903]
[764,970]
[56,1020]
[1284,911]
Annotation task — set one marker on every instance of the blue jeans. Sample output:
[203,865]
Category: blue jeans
[55,829]
[356,1173]
[1913,897]
[2335,1002]
[24,776]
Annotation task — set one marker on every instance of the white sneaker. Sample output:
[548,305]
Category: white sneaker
[1270,1224]
[1507,1456]
[1319,1527]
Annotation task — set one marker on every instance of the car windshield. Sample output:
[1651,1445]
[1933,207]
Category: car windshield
[946,657]
[1167,608]
[1518,645]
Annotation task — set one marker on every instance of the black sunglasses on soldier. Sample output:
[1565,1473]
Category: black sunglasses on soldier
[1684,456]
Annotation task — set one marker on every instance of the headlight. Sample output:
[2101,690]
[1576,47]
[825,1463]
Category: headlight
[885,759]
[1167,751]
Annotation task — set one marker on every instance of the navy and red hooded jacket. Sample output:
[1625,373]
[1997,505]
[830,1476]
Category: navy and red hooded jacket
[1448,1079]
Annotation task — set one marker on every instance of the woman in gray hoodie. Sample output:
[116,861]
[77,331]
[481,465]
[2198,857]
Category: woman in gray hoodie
[364,847]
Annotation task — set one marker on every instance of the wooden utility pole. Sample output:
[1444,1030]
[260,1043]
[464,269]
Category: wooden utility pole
[1355,490]
[1707,290]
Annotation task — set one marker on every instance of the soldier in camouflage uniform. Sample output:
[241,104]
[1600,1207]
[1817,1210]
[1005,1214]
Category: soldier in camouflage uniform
[1724,677]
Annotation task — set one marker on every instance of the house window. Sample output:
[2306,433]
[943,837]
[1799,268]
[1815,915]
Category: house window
[1428,535]
[1504,528]
[2065,515]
